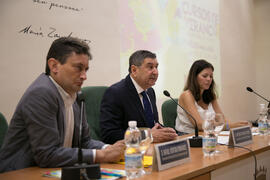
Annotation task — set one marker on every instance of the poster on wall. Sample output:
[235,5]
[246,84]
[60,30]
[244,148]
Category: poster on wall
[179,32]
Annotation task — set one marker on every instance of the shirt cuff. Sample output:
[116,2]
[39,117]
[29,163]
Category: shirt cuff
[104,147]
[95,151]
[94,155]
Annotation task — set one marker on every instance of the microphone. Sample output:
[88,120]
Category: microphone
[251,90]
[81,99]
[195,141]
[255,123]
[81,170]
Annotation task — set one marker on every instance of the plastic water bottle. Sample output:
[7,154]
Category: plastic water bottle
[209,139]
[133,156]
[262,121]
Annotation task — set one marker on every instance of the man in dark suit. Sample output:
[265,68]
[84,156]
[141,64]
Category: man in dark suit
[44,129]
[133,98]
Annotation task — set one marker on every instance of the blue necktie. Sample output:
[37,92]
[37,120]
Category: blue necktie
[148,110]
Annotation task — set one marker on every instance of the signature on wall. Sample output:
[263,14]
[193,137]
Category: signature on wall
[50,32]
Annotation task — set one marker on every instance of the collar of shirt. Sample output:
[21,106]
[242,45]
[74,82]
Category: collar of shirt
[138,88]
[67,98]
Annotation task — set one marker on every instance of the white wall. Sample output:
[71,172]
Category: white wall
[23,55]
[245,44]
[244,28]
[262,48]
[237,59]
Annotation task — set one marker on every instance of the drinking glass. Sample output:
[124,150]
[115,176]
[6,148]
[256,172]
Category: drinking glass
[145,141]
[209,139]
[219,123]
[268,120]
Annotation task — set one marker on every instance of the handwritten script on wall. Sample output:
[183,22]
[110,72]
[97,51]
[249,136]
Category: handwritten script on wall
[48,31]
[52,5]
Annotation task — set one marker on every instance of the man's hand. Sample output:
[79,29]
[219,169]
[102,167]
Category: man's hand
[162,134]
[111,153]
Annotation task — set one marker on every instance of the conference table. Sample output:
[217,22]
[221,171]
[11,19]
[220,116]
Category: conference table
[231,163]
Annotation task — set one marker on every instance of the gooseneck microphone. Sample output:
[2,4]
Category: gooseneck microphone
[195,141]
[81,170]
[255,123]
[251,90]
[81,100]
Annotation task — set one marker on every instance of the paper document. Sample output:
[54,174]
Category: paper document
[223,140]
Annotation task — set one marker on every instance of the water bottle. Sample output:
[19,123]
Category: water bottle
[209,138]
[262,121]
[133,156]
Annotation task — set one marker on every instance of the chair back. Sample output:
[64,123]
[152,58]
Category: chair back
[93,96]
[3,128]
[169,113]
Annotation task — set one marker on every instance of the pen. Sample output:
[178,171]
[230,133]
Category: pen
[111,174]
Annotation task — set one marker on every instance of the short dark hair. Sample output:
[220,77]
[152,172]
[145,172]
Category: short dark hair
[192,83]
[138,57]
[63,47]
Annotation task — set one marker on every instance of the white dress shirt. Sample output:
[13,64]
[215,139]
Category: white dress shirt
[69,114]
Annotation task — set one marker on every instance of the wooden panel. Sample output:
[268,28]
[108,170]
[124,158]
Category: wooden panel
[206,176]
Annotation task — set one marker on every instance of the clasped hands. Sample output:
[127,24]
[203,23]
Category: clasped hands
[163,134]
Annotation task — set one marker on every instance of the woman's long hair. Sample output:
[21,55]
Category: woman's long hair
[192,83]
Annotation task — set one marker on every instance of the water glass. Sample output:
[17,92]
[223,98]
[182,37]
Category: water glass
[219,125]
[145,142]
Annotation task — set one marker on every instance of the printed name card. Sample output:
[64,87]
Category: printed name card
[240,136]
[170,154]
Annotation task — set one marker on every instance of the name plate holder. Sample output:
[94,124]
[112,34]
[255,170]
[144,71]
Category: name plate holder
[170,154]
[240,136]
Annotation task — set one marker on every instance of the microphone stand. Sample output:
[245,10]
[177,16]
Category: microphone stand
[268,112]
[195,141]
[81,170]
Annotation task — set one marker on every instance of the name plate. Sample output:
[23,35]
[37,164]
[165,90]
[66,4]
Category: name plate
[240,136]
[170,154]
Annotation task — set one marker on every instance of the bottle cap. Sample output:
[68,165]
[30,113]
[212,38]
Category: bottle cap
[132,123]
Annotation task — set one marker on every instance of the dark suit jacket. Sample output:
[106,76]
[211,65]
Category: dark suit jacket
[120,104]
[37,128]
